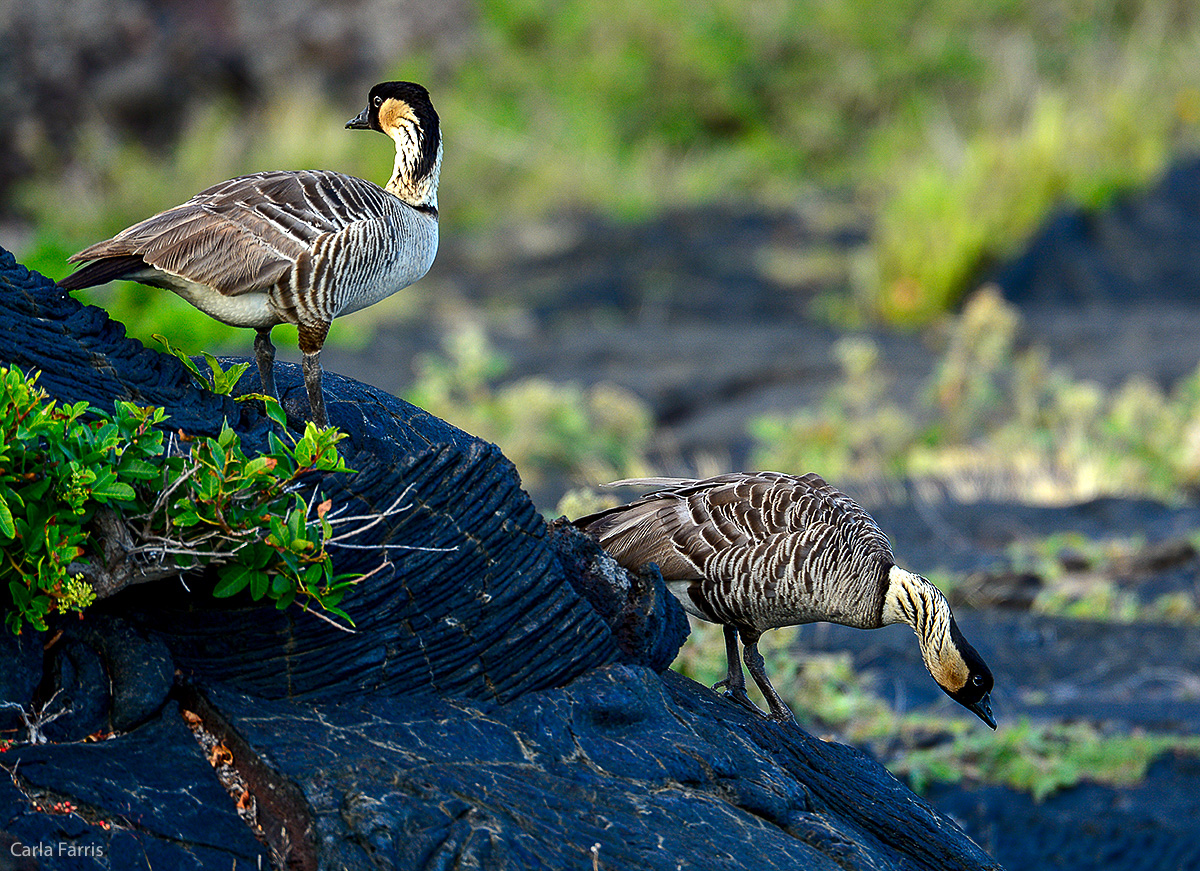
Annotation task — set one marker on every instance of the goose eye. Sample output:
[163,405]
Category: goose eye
[378,101]
[977,680]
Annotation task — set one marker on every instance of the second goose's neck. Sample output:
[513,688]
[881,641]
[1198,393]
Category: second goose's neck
[913,600]
[420,193]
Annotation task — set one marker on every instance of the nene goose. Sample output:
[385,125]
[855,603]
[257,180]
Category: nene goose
[294,247]
[756,551]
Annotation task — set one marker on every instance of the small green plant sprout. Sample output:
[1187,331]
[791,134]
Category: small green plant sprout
[217,380]
[91,503]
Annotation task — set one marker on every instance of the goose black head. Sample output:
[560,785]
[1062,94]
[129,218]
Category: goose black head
[403,109]
[968,682]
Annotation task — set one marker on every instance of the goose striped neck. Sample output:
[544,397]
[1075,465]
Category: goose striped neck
[420,193]
[952,662]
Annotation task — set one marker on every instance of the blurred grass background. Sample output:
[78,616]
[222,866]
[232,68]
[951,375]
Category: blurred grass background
[955,127]
[958,126]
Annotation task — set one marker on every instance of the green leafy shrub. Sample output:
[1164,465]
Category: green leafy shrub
[91,502]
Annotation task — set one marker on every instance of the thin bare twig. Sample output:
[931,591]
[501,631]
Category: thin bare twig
[35,720]
[347,629]
[161,501]
[375,519]
[387,512]
[335,543]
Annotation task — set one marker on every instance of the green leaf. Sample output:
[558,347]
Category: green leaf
[305,451]
[186,517]
[257,466]
[114,491]
[187,361]
[132,467]
[106,436]
[227,436]
[295,524]
[275,411]
[233,580]
[258,584]
[208,486]
[20,594]
[7,529]
[333,609]
[230,377]
[312,579]
[278,448]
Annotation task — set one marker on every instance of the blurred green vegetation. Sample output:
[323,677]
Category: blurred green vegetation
[958,126]
[829,697]
[1089,585]
[548,429]
[1040,759]
[992,420]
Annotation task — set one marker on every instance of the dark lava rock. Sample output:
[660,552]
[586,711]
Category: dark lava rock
[1130,252]
[146,799]
[1114,293]
[501,704]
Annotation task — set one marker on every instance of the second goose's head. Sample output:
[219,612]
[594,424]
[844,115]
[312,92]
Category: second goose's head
[966,677]
[956,666]
[404,112]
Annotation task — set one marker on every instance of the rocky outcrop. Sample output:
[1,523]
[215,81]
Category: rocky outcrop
[503,704]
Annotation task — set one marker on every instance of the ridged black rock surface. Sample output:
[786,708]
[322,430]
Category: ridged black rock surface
[503,704]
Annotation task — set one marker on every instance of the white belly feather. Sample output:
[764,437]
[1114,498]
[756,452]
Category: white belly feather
[244,310]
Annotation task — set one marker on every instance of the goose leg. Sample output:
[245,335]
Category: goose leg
[780,712]
[734,683]
[312,337]
[264,355]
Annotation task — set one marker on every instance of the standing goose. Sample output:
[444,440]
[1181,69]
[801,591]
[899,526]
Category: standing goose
[756,551]
[294,247]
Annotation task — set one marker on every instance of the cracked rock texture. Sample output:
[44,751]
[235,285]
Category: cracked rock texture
[504,703]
